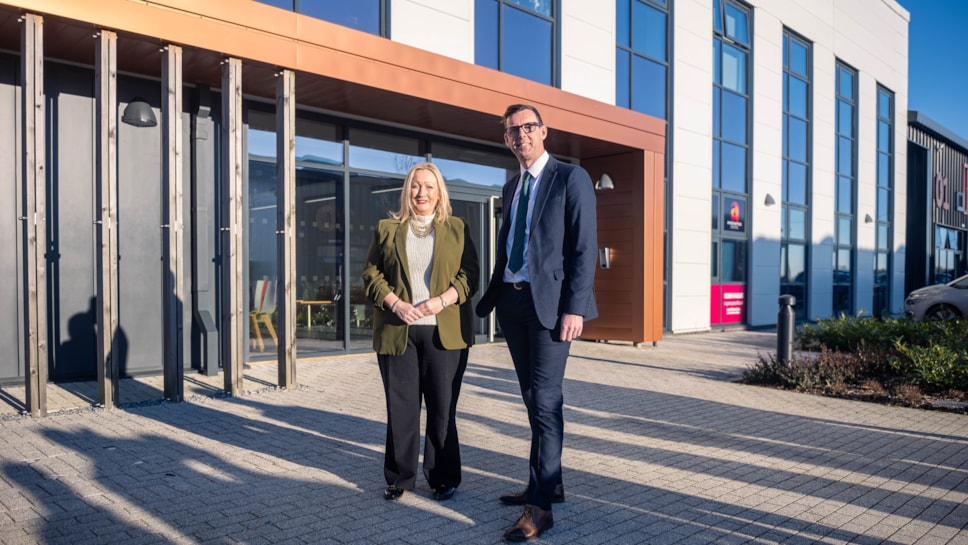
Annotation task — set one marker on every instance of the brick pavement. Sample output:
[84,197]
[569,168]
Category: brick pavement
[662,447]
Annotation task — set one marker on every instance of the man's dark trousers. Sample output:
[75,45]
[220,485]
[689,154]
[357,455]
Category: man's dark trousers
[539,358]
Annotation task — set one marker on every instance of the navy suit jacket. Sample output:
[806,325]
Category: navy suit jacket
[562,249]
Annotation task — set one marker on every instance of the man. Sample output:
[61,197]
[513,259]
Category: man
[541,288]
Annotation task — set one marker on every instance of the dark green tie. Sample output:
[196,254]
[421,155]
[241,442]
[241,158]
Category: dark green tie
[516,260]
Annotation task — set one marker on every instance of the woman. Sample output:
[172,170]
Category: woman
[420,273]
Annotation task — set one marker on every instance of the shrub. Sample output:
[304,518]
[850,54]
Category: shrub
[912,356]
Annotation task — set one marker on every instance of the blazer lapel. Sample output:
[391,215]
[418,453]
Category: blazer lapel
[544,190]
[400,246]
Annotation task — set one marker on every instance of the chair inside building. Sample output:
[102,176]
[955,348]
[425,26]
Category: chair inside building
[263,305]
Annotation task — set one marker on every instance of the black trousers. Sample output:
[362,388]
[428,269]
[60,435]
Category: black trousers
[539,358]
[428,371]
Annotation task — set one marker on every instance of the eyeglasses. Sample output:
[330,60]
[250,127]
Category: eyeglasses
[527,128]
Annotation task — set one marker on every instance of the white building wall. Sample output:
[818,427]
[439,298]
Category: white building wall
[588,49]
[765,221]
[445,27]
[691,134]
[869,35]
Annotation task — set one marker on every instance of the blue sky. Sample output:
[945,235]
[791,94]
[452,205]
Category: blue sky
[938,61]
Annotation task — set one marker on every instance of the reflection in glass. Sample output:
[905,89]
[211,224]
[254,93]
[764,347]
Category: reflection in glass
[734,117]
[737,27]
[733,168]
[359,14]
[734,261]
[649,32]
[796,96]
[797,57]
[733,69]
[372,198]
[262,272]
[519,29]
[485,33]
[844,195]
[460,163]
[320,323]
[796,139]
[797,224]
[796,183]
[649,95]
[383,152]
[622,85]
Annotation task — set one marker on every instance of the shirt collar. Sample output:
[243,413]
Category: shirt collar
[538,166]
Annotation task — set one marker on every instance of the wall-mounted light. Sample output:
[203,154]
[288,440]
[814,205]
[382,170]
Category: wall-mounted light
[605,182]
[868,218]
[139,113]
[769,200]
[605,257]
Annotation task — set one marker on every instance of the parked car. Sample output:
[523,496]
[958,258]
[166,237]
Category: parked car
[939,302]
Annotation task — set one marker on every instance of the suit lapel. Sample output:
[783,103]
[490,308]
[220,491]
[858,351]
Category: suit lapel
[544,189]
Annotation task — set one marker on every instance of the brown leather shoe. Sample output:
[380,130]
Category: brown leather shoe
[533,522]
[521,497]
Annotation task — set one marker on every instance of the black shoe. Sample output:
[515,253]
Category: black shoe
[521,498]
[442,493]
[392,493]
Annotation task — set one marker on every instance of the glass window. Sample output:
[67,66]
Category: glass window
[844,195]
[641,75]
[794,263]
[521,29]
[542,7]
[796,96]
[845,82]
[883,200]
[796,160]
[383,152]
[883,136]
[797,54]
[845,118]
[734,261]
[362,15]
[733,165]
[798,224]
[458,163]
[623,23]
[843,231]
[737,26]
[796,138]
[795,189]
[503,27]
[284,4]
[648,97]
[845,156]
[715,211]
[649,31]
[486,33]
[733,117]
[622,78]
[733,69]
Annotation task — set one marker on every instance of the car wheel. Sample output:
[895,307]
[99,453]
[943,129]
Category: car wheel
[942,312]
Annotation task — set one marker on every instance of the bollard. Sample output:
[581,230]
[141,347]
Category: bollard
[784,329]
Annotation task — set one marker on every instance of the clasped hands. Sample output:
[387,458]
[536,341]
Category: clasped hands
[411,313]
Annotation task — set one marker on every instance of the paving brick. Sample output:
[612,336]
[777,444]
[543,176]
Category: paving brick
[662,446]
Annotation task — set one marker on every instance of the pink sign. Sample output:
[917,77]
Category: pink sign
[727,303]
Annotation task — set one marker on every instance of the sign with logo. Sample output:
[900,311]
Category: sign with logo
[735,215]
[727,304]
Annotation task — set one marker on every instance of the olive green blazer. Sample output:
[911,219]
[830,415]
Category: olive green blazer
[454,264]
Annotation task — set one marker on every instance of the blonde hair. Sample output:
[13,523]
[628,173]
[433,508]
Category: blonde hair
[443,210]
